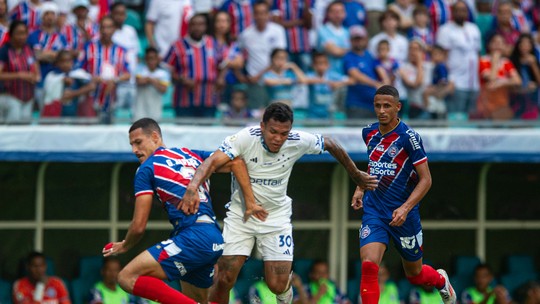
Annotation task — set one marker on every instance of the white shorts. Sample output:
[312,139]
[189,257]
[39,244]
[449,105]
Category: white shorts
[240,237]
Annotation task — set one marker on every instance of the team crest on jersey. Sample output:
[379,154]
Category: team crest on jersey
[392,151]
[365,232]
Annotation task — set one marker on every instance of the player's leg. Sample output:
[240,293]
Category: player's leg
[277,275]
[239,240]
[373,243]
[408,239]
[228,269]
[277,249]
[198,294]
[143,277]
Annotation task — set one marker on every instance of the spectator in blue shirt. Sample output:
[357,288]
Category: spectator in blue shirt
[359,65]
[281,77]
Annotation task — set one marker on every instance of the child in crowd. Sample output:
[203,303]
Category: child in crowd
[239,106]
[323,84]
[385,65]
[420,29]
[152,83]
[281,77]
[440,87]
[64,87]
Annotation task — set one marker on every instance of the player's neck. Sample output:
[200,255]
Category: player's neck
[386,128]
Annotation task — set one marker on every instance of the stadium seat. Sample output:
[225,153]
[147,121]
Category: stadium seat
[520,264]
[465,264]
[513,280]
[5,292]
[353,290]
[242,288]
[80,289]
[134,19]
[252,270]
[301,267]
[485,24]
[90,268]
[460,282]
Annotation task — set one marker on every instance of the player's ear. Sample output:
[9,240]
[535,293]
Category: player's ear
[155,136]
[398,105]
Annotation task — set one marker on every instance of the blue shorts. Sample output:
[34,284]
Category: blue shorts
[407,238]
[190,255]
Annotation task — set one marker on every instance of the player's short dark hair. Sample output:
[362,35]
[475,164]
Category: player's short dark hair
[148,125]
[317,54]
[150,50]
[116,4]
[34,255]
[388,90]
[110,259]
[278,111]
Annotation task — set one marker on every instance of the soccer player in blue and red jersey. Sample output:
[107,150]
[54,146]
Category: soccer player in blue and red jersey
[391,212]
[195,243]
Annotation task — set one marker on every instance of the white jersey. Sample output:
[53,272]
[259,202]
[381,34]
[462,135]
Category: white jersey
[269,172]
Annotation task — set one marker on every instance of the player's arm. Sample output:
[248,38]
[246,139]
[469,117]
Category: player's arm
[361,178]
[190,200]
[143,205]
[424,183]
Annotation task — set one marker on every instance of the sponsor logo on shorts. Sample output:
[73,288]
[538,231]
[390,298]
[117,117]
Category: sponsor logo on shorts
[408,242]
[180,268]
[365,232]
[218,247]
[212,273]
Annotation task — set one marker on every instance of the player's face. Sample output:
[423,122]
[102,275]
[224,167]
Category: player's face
[37,269]
[110,272]
[275,133]
[386,108]
[143,145]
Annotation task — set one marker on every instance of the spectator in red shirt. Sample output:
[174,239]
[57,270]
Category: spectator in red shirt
[19,73]
[37,287]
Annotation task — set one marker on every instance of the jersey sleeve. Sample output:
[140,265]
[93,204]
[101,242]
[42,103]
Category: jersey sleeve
[415,148]
[143,181]
[236,144]
[313,143]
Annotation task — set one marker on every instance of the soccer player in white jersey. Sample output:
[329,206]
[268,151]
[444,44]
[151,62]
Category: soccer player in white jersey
[270,152]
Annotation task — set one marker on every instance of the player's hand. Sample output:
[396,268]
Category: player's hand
[257,211]
[399,216]
[357,202]
[366,181]
[190,202]
[113,249]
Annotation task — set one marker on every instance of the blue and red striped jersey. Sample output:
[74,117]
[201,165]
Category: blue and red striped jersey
[392,158]
[107,62]
[298,36]
[167,174]
[241,12]
[24,11]
[14,61]
[197,61]
[75,36]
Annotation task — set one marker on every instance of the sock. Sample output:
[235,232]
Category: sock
[156,290]
[428,276]
[286,297]
[369,284]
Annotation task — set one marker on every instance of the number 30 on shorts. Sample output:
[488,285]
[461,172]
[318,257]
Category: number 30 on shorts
[285,240]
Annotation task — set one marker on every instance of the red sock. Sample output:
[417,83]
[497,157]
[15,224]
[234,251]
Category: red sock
[156,290]
[369,285]
[428,276]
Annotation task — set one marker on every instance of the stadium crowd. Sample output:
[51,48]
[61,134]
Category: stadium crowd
[94,58]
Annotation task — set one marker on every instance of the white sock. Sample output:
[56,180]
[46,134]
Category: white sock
[286,297]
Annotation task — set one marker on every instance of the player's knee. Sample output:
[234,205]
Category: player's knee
[126,280]
[226,278]
[277,286]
